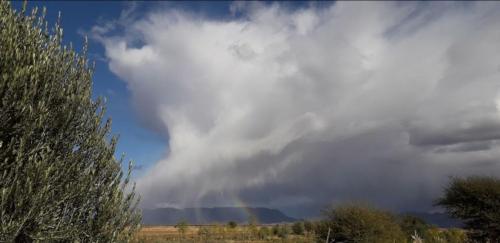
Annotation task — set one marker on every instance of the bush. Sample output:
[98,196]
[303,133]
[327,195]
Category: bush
[354,223]
[59,179]
[308,226]
[204,232]
[182,227]
[411,225]
[298,228]
[232,224]
[264,232]
[435,235]
[455,236]
[283,231]
[475,200]
[276,229]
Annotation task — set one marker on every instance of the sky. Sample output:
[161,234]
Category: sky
[296,105]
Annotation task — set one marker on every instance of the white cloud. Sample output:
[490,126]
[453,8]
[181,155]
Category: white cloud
[355,101]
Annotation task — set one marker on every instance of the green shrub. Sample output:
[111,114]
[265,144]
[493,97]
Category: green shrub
[276,229]
[411,225]
[298,228]
[182,227]
[455,235]
[59,179]
[204,232]
[308,226]
[264,232]
[232,224]
[436,235]
[283,231]
[359,224]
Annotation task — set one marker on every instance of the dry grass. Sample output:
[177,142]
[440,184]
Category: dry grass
[213,233]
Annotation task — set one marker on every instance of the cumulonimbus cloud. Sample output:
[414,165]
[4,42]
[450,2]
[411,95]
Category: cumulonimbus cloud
[356,101]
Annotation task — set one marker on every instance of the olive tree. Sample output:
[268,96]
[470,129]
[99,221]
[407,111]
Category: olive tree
[59,179]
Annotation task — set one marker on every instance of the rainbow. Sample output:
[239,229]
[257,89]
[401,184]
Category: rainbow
[238,202]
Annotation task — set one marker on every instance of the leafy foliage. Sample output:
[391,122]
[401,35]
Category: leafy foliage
[264,232]
[59,179]
[298,228]
[308,226]
[435,235]
[281,231]
[353,223]
[412,225]
[232,224]
[182,226]
[475,200]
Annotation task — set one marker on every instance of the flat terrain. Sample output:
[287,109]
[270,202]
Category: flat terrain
[217,233]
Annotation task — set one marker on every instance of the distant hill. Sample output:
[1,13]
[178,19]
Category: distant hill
[170,216]
[438,219]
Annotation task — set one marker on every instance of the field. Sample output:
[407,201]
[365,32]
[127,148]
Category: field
[220,233]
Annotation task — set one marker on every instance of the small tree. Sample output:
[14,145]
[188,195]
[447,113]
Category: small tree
[436,235]
[252,220]
[264,232]
[412,226]
[454,235]
[308,226]
[283,231]
[275,229]
[232,224]
[252,226]
[204,233]
[298,228]
[476,200]
[353,223]
[59,179]
[182,227]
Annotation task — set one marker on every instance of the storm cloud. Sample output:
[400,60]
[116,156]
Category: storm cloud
[280,107]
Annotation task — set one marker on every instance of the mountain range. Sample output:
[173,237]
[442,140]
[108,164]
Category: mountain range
[170,216]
